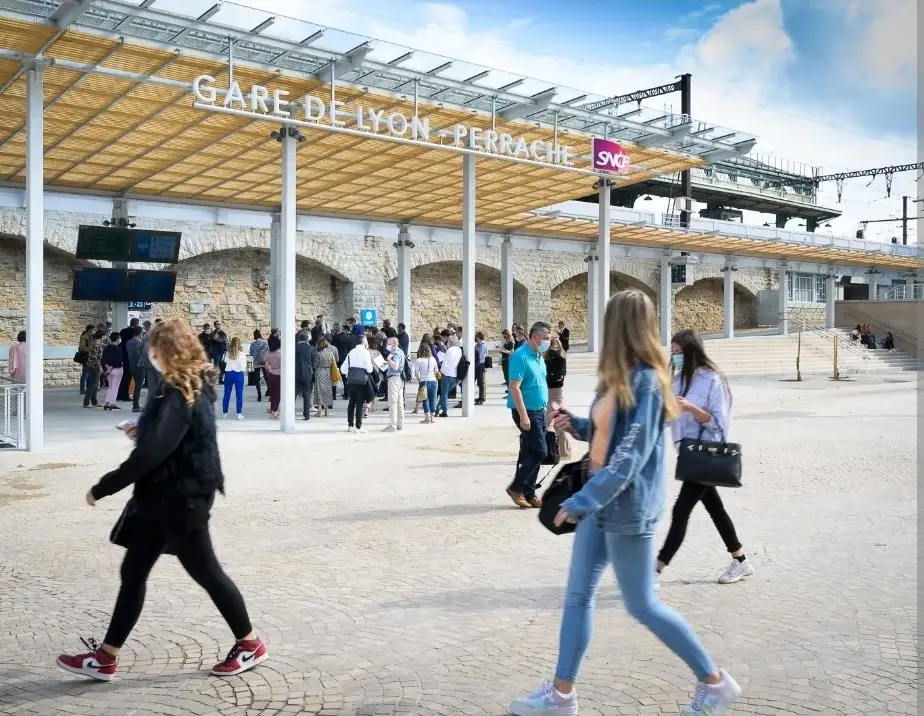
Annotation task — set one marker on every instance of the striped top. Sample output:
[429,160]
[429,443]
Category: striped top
[707,391]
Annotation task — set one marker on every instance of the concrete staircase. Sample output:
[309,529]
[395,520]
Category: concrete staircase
[776,356]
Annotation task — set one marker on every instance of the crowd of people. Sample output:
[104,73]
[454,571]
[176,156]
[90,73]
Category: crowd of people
[640,398]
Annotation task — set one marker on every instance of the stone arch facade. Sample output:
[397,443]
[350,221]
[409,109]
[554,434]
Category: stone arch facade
[436,297]
[569,299]
[232,285]
[701,306]
[643,273]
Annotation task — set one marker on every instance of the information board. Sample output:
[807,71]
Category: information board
[367,317]
[98,284]
[161,247]
[111,243]
[150,286]
[102,243]
[139,306]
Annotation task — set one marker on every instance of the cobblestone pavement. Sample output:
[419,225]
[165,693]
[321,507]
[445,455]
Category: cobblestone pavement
[391,575]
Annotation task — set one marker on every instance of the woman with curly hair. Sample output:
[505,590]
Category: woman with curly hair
[176,471]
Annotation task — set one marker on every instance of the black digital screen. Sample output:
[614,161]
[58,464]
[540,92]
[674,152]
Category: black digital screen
[102,243]
[678,273]
[98,284]
[162,247]
[110,243]
[150,286]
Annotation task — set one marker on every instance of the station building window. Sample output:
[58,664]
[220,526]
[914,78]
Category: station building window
[807,288]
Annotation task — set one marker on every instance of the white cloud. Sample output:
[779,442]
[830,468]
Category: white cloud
[887,50]
[737,83]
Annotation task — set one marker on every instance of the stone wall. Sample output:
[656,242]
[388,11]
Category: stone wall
[701,307]
[58,372]
[64,319]
[436,298]
[569,300]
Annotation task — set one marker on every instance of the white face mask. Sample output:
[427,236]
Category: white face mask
[155,364]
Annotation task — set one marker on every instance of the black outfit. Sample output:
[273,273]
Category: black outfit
[556,368]
[480,380]
[404,342]
[889,342]
[344,342]
[305,355]
[357,397]
[505,362]
[112,357]
[690,494]
[565,338]
[176,470]
[126,334]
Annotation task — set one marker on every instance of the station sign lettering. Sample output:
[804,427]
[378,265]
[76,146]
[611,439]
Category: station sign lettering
[609,156]
[276,103]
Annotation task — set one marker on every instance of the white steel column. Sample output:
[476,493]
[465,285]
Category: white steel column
[729,297]
[120,308]
[603,257]
[35,244]
[287,294]
[404,246]
[593,303]
[275,270]
[506,283]
[468,280]
[667,299]
[783,297]
[909,286]
[830,296]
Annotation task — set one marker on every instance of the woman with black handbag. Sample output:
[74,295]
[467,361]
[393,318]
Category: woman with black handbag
[705,401]
[617,511]
[176,470]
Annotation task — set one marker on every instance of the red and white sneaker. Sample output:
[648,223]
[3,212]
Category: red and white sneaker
[244,655]
[96,663]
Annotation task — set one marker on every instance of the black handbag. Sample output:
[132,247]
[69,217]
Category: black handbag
[552,449]
[124,528]
[80,357]
[713,464]
[253,378]
[570,479]
[357,376]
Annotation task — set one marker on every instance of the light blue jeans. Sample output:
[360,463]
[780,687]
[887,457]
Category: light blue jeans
[633,560]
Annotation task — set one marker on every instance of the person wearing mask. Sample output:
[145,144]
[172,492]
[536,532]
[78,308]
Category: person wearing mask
[507,348]
[421,387]
[556,367]
[438,348]
[133,353]
[218,346]
[175,468]
[83,352]
[323,378]
[449,368]
[355,328]
[404,340]
[528,400]
[16,363]
[519,337]
[705,402]
[259,349]
[394,374]
[151,376]
[235,369]
[113,369]
[273,365]
[357,372]
[617,512]
[94,369]
[564,336]
[305,357]
[481,359]
[125,335]
[425,369]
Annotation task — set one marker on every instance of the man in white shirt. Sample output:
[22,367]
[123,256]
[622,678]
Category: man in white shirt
[449,368]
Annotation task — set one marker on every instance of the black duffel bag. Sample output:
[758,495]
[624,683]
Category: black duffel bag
[570,478]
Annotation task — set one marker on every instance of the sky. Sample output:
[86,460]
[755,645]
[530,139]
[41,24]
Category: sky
[830,83]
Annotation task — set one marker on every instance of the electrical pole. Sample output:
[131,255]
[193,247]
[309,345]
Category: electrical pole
[686,184]
[904,221]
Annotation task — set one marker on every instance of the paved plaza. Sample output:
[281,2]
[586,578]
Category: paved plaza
[390,574]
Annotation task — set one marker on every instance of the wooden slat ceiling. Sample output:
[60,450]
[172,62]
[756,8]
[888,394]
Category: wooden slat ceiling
[140,139]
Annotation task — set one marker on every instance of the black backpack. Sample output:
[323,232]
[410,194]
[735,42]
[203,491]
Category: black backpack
[406,370]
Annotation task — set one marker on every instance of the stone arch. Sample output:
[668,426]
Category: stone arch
[432,252]
[701,306]
[569,299]
[436,297]
[233,285]
[644,275]
[64,319]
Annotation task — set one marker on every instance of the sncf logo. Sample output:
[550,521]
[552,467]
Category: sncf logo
[609,156]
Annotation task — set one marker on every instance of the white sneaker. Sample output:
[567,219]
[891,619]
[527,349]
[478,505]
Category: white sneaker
[736,571]
[546,701]
[389,429]
[351,429]
[224,416]
[240,417]
[361,431]
[713,699]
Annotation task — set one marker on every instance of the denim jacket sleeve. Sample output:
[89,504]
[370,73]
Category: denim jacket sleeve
[581,428]
[643,430]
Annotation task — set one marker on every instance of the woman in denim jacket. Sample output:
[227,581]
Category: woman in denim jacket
[618,510]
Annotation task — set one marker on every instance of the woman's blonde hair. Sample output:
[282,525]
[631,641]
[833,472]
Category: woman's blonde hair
[181,357]
[234,348]
[630,336]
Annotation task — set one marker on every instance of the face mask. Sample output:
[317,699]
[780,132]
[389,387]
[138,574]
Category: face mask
[544,345]
[157,366]
[677,360]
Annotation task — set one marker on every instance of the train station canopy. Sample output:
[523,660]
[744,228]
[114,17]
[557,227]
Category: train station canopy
[121,118]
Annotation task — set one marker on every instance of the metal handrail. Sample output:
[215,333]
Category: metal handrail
[888,328]
[12,413]
[830,335]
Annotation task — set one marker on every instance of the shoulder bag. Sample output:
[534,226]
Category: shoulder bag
[713,464]
[335,376]
[552,449]
[570,479]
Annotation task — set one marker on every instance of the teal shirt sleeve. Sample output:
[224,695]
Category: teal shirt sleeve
[516,370]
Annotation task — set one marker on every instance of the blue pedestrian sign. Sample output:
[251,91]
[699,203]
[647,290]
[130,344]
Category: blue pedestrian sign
[367,317]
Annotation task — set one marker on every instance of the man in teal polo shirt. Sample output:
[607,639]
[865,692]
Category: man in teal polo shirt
[528,398]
